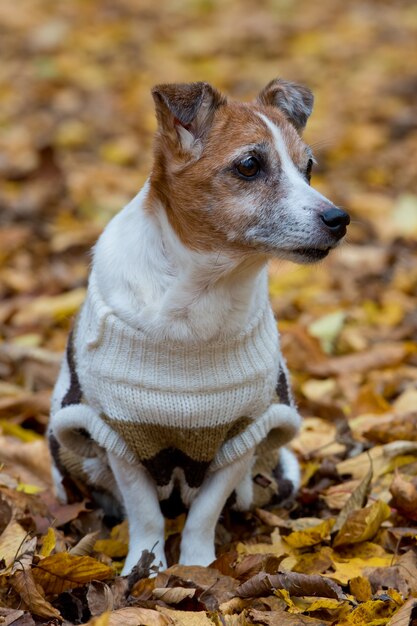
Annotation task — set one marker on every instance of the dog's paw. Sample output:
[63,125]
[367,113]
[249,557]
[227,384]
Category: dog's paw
[197,552]
[135,555]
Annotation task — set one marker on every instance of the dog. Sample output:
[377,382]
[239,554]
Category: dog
[173,381]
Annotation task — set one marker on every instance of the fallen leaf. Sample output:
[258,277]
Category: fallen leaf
[48,542]
[173,595]
[295,584]
[404,616]
[363,524]
[404,494]
[24,584]
[379,356]
[310,536]
[360,587]
[100,598]
[11,542]
[355,502]
[63,571]
[85,546]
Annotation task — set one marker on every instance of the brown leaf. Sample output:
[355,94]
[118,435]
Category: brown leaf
[99,598]
[137,616]
[404,493]
[383,578]
[379,356]
[85,546]
[295,584]
[173,595]
[355,502]
[275,618]
[11,542]
[63,571]
[404,616]
[363,524]
[254,563]
[24,584]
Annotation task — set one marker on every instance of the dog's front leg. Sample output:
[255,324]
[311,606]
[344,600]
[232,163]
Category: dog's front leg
[197,544]
[146,522]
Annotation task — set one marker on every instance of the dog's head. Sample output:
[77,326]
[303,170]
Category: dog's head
[236,176]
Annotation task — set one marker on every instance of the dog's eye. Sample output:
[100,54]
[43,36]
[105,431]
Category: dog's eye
[308,169]
[248,167]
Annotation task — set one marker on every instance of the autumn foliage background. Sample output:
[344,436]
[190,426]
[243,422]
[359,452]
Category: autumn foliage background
[76,125]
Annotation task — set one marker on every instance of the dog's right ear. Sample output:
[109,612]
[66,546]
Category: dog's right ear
[185,113]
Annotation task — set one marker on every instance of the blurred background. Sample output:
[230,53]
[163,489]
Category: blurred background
[76,125]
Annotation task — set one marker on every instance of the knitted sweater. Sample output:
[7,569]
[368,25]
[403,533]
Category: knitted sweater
[197,406]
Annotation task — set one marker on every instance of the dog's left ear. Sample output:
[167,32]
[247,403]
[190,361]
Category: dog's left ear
[295,101]
[185,112]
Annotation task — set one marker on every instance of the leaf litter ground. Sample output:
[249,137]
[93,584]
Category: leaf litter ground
[77,123]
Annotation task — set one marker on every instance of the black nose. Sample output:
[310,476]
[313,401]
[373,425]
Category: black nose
[336,220]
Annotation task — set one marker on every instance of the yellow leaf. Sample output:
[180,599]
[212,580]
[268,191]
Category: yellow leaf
[51,307]
[112,548]
[372,613]
[29,489]
[351,561]
[48,542]
[360,587]
[63,571]
[363,524]
[14,430]
[310,536]
[101,620]
[283,594]
[327,329]
[326,603]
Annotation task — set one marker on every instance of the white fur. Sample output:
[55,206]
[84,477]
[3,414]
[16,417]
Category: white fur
[153,281]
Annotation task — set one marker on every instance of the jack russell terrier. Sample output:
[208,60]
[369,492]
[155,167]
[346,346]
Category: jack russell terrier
[174,388]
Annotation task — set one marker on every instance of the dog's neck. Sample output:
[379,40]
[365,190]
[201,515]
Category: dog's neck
[153,281]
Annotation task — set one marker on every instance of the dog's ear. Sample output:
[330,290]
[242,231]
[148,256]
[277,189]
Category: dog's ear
[185,112]
[295,101]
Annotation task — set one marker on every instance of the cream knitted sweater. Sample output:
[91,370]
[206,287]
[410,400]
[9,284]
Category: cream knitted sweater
[197,406]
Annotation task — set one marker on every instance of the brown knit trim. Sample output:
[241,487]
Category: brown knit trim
[69,466]
[282,389]
[146,441]
[74,393]
[162,465]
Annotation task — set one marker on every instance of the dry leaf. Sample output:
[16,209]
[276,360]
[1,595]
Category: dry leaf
[363,524]
[11,542]
[63,571]
[310,536]
[404,494]
[85,546]
[24,584]
[173,595]
[355,502]
[404,615]
[295,584]
[48,542]
[360,587]
[100,598]
[137,616]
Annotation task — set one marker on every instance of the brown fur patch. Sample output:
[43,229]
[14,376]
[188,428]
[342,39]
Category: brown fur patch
[207,204]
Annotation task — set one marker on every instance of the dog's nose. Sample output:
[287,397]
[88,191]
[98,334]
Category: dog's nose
[336,220]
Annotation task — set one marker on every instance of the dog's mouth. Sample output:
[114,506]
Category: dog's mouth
[312,254]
